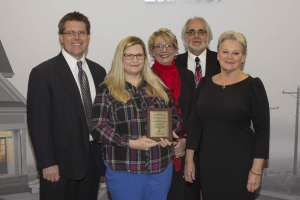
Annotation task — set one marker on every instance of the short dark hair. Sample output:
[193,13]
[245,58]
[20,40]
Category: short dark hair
[74,16]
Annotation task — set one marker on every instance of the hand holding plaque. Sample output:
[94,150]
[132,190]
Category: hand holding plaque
[142,143]
[159,124]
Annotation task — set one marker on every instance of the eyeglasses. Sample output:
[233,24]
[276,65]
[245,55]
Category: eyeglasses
[131,56]
[160,47]
[200,32]
[73,33]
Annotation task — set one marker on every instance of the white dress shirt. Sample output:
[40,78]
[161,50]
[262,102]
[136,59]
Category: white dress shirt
[192,64]
[72,62]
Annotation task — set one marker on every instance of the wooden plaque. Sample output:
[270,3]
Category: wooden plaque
[159,124]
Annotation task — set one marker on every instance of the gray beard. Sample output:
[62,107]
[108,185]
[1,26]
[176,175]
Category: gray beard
[202,47]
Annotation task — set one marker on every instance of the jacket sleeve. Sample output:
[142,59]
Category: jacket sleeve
[175,117]
[39,119]
[260,115]
[194,129]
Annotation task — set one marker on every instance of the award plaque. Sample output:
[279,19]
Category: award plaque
[159,124]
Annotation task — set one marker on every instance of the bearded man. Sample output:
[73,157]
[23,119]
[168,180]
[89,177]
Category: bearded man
[196,36]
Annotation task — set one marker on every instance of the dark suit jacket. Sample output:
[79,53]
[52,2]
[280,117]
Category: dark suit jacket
[186,93]
[56,119]
[212,66]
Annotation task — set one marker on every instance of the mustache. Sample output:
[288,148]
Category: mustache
[197,40]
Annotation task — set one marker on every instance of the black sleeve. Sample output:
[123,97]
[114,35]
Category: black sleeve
[175,116]
[39,119]
[260,115]
[194,129]
[186,106]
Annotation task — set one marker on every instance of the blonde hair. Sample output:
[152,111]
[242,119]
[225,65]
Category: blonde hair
[115,79]
[167,35]
[233,35]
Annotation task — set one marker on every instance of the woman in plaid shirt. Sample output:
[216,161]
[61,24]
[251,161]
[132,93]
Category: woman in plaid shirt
[138,168]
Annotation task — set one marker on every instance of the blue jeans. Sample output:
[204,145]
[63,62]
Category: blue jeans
[130,186]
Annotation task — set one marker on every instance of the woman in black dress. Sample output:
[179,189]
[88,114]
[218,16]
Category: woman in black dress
[163,47]
[231,153]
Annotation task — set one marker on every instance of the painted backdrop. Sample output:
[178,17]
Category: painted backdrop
[29,36]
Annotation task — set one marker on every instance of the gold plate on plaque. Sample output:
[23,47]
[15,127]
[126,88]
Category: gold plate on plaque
[159,124]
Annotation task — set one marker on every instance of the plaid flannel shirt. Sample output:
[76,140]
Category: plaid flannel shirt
[114,123]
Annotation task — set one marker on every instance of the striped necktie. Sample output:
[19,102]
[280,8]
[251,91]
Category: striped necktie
[198,71]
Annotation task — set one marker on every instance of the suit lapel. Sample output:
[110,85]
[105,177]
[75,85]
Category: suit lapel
[95,73]
[212,66]
[182,60]
[209,60]
[70,86]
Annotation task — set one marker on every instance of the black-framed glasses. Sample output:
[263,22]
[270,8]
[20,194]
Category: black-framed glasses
[200,32]
[73,33]
[160,47]
[140,56]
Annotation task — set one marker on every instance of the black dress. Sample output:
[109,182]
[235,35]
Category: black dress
[228,145]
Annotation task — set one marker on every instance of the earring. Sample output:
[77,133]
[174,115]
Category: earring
[242,62]
[217,60]
[175,56]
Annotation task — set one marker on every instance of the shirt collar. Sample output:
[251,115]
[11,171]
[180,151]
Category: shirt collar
[202,56]
[71,60]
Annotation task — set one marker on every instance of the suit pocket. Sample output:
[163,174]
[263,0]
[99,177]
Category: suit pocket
[61,144]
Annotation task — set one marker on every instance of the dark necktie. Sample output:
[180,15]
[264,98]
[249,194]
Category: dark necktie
[85,92]
[198,71]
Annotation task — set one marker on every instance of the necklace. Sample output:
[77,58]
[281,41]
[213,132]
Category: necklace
[232,81]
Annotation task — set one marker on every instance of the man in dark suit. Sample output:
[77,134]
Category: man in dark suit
[60,95]
[196,36]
